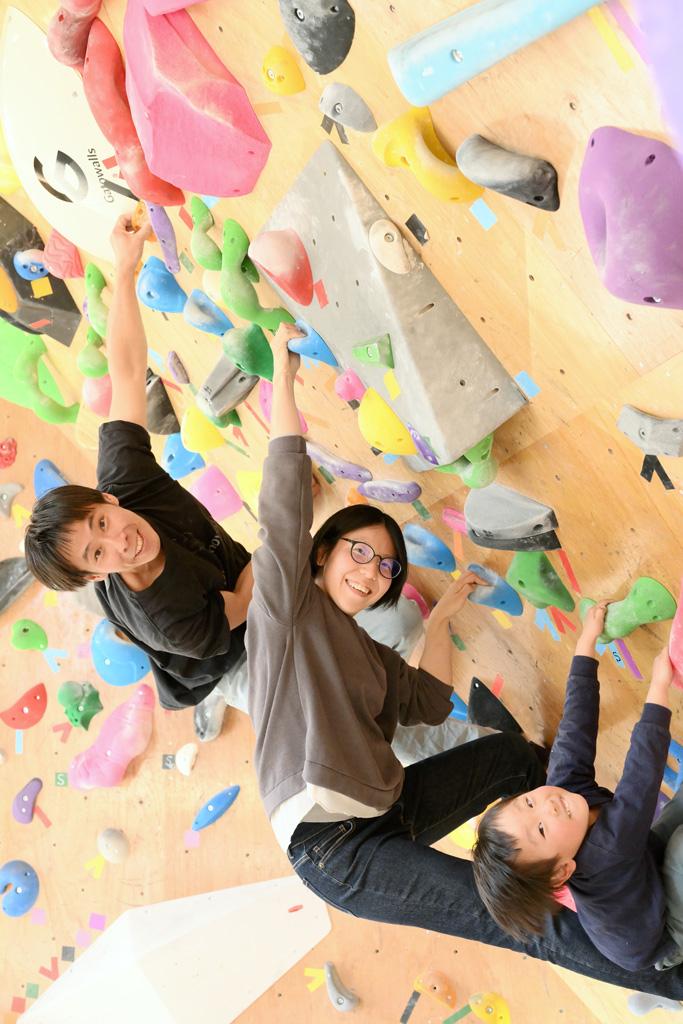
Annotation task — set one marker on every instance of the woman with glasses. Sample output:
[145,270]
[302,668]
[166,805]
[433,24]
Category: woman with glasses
[325,699]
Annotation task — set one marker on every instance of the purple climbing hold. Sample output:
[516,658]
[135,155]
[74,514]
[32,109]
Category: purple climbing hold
[391,490]
[336,466]
[24,803]
[422,446]
[629,196]
[163,229]
[177,368]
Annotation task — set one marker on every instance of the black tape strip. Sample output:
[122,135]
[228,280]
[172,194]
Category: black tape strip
[417,228]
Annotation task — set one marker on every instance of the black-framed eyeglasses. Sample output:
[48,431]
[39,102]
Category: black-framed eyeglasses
[362,553]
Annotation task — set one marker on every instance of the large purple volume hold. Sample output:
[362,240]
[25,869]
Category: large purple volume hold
[630,199]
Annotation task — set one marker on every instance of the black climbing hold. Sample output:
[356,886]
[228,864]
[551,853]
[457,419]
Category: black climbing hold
[14,580]
[484,708]
[321,30]
[161,419]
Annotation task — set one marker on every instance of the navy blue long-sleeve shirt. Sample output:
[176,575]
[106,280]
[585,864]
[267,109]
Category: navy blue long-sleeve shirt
[617,884]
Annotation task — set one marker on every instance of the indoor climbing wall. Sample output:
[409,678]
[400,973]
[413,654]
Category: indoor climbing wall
[492,354]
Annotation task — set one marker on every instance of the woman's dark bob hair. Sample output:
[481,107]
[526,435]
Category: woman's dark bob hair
[343,524]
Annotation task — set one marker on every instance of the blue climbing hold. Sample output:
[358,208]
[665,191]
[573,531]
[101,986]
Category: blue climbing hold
[46,477]
[215,808]
[20,887]
[498,594]
[427,550]
[312,346]
[158,288]
[29,266]
[117,660]
[177,460]
[202,312]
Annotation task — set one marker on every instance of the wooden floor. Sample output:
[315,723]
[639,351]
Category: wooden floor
[529,286]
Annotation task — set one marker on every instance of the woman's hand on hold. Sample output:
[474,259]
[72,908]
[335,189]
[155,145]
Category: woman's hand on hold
[128,242]
[457,593]
[282,357]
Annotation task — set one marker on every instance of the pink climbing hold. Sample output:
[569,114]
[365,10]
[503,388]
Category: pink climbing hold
[349,386]
[168,6]
[96,394]
[282,257]
[676,642]
[413,594]
[67,36]
[629,196]
[62,257]
[265,400]
[104,82]
[124,735]
[185,102]
[216,494]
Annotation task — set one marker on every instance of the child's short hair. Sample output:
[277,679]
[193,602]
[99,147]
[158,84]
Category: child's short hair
[517,896]
[45,537]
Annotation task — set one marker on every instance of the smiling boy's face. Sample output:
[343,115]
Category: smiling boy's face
[111,539]
[545,824]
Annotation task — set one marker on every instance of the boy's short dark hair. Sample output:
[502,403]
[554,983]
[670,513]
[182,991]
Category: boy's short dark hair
[45,537]
[344,523]
[517,896]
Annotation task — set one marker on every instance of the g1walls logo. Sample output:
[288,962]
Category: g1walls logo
[69,182]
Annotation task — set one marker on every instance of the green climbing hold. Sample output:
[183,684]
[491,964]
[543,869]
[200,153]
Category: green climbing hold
[477,468]
[249,350]
[26,380]
[231,418]
[532,575]
[81,702]
[647,601]
[95,283]
[237,273]
[205,251]
[377,351]
[91,360]
[27,635]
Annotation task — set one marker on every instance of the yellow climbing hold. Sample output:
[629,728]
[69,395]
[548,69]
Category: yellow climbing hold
[249,484]
[9,180]
[410,141]
[9,302]
[381,427]
[491,1007]
[280,72]
[465,835]
[198,433]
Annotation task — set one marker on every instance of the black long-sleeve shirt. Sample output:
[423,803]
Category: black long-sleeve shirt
[617,883]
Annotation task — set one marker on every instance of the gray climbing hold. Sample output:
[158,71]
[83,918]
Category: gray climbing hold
[161,419]
[654,435]
[498,517]
[342,104]
[527,178]
[321,31]
[224,388]
[390,248]
[640,1003]
[341,997]
[14,580]
[8,493]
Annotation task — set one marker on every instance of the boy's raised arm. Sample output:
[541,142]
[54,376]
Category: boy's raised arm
[126,343]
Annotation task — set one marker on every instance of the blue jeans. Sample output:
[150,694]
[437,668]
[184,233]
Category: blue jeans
[384,869]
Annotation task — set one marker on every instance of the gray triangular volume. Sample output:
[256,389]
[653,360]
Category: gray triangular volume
[484,708]
[14,580]
[453,389]
[498,512]
[161,419]
[548,541]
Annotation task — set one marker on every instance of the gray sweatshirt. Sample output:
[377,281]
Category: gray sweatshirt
[324,697]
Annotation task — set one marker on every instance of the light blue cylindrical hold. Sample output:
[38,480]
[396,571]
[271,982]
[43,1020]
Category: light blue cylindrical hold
[451,52]
[426,549]
[116,660]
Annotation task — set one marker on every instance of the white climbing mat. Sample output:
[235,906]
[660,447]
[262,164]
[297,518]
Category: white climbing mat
[202,958]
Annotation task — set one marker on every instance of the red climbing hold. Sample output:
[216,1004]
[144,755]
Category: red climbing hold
[282,257]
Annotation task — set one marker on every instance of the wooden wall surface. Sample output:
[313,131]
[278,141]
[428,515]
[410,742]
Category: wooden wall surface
[529,286]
